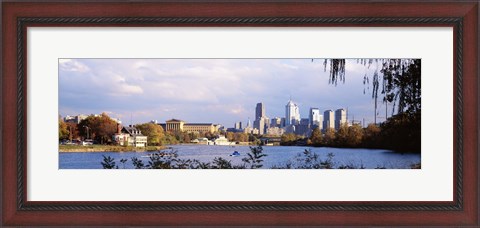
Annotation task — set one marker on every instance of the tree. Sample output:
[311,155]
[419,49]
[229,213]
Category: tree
[254,159]
[355,135]
[402,79]
[63,132]
[101,127]
[400,82]
[371,136]
[316,137]
[402,132]
[137,163]
[108,162]
[221,163]
[72,131]
[329,137]
[230,136]
[341,136]
[288,139]
[186,137]
[154,132]
[401,85]
[169,138]
[241,137]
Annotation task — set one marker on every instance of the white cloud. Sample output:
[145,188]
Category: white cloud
[287,66]
[72,65]
[208,90]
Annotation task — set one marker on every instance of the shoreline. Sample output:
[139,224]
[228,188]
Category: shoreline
[105,148]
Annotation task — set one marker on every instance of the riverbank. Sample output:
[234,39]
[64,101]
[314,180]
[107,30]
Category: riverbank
[107,148]
[278,157]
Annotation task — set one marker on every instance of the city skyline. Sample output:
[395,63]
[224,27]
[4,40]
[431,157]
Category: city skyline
[221,91]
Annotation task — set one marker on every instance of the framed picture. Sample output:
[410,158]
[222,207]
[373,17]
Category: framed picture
[330,95]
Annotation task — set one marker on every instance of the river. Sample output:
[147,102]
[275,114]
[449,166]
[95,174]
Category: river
[277,156]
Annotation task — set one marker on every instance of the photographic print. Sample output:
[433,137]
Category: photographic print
[239,113]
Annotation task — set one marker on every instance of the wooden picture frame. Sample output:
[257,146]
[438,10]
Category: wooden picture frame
[462,16]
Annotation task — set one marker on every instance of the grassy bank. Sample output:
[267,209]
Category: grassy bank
[107,148]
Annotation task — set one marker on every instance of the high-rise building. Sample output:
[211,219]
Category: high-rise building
[340,117]
[328,121]
[292,114]
[259,111]
[261,125]
[276,122]
[238,125]
[248,129]
[315,118]
[261,121]
[304,121]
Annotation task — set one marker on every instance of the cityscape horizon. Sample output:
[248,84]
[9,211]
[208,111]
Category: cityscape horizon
[126,89]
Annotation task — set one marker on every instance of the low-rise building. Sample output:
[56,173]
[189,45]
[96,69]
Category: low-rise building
[275,131]
[130,136]
[180,125]
[221,141]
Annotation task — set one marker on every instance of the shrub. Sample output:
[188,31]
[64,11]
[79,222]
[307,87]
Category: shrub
[254,159]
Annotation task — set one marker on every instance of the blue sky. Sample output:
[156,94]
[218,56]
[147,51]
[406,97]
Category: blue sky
[222,91]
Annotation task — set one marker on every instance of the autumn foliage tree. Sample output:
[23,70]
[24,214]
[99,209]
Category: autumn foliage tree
[355,135]
[399,82]
[101,127]
[316,137]
[72,131]
[154,132]
[63,132]
[329,137]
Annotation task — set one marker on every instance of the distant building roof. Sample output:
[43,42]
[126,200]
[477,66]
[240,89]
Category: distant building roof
[193,124]
[174,120]
[132,130]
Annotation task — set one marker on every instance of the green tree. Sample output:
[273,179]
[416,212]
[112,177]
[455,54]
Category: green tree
[169,139]
[288,139]
[154,132]
[241,137]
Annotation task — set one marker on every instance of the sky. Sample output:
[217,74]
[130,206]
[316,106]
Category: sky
[220,91]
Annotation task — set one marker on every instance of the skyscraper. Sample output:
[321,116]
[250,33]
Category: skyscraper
[315,118]
[261,121]
[261,125]
[276,122]
[238,125]
[340,117]
[328,121]
[292,113]
[259,111]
